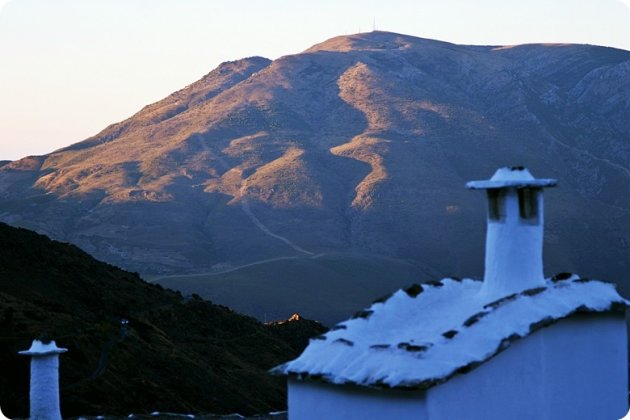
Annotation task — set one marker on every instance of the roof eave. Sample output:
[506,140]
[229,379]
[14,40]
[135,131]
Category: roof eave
[615,307]
[489,184]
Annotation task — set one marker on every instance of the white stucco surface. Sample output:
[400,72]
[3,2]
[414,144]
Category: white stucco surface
[569,371]
[44,390]
[44,393]
[514,242]
[511,178]
[513,246]
[317,401]
[401,342]
[39,348]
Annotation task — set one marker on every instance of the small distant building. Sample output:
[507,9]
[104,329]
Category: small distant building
[515,346]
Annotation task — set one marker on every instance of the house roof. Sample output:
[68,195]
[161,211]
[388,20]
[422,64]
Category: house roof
[423,335]
[511,177]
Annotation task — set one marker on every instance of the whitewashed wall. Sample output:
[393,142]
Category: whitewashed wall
[574,370]
[317,401]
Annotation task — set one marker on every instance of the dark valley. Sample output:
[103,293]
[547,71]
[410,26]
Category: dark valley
[132,347]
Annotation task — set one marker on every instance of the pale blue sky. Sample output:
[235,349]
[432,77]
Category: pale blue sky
[68,68]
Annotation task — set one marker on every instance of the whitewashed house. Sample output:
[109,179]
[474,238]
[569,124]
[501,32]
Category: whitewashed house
[515,346]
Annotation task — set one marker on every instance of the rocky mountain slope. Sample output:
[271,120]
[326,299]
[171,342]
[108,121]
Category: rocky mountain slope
[132,347]
[359,145]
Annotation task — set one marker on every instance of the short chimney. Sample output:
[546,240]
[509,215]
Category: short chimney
[514,238]
[44,394]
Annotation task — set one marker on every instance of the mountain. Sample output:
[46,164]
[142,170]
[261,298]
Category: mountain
[354,150]
[132,347]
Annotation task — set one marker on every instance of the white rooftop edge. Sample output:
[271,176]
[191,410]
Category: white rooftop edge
[511,177]
[39,348]
[421,336]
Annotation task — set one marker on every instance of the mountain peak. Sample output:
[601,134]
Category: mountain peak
[370,41]
[331,150]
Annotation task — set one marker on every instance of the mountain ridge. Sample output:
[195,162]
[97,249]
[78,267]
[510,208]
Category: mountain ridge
[359,145]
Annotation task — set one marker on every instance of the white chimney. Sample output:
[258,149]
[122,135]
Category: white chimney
[44,394]
[514,239]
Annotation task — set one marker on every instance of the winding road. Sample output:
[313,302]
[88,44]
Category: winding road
[244,202]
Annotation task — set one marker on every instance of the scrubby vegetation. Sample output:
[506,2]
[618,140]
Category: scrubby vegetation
[133,346]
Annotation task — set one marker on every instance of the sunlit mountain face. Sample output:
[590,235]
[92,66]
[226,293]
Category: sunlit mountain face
[355,150]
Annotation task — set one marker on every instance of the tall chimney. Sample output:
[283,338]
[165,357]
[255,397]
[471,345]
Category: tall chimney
[44,394]
[514,238]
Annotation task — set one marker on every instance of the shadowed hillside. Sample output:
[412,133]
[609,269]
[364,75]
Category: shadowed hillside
[359,145]
[261,292]
[174,354]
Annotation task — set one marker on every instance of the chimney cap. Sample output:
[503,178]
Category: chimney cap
[39,348]
[511,177]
